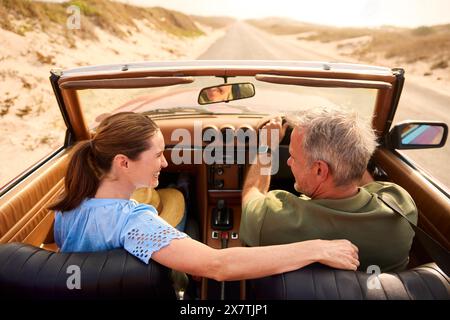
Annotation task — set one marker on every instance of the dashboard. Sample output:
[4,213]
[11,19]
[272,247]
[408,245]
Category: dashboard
[216,151]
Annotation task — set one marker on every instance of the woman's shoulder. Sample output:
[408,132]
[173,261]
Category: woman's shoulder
[128,206]
[109,211]
[139,208]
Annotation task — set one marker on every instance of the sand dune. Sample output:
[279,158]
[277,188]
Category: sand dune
[31,45]
[30,122]
[423,52]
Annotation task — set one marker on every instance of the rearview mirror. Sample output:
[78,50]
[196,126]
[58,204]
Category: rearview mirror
[226,92]
[418,135]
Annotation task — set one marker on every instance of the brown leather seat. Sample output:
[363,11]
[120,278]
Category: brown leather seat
[23,211]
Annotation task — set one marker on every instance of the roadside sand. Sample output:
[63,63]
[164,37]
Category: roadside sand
[438,80]
[30,122]
[346,51]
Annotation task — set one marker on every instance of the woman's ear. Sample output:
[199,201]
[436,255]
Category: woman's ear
[121,161]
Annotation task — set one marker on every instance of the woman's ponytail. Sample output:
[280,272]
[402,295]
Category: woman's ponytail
[81,179]
[124,133]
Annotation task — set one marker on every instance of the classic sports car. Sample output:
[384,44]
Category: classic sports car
[195,104]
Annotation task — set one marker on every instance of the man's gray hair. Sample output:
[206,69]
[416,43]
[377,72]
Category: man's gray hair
[339,137]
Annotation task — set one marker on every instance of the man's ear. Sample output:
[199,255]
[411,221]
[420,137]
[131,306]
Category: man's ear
[321,169]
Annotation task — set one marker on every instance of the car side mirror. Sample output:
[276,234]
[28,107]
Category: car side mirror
[226,92]
[418,135]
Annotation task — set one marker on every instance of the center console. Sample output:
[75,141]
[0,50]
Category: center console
[223,217]
[224,205]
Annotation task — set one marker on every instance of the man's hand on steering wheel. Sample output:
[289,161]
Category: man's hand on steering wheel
[273,124]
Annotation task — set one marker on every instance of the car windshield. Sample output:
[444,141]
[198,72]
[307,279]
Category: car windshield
[269,98]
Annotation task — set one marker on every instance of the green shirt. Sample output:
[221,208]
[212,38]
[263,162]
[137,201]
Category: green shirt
[382,236]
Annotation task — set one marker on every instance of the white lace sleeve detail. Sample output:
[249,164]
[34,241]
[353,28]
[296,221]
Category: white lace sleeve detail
[147,233]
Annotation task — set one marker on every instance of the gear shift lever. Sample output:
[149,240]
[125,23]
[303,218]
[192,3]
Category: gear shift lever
[222,216]
[222,219]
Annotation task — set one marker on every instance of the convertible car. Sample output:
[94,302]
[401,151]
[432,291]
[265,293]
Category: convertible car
[198,104]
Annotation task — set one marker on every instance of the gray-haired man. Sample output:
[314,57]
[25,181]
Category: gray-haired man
[329,152]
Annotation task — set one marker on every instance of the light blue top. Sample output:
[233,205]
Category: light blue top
[104,224]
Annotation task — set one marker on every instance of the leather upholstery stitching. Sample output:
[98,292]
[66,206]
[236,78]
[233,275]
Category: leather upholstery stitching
[337,286]
[9,257]
[41,267]
[283,282]
[426,283]
[28,258]
[59,272]
[314,283]
[24,209]
[97,287]
[149,276]
[437,271]
[382,287]
[404,285]
[122,275]
[363,294]
[47,278]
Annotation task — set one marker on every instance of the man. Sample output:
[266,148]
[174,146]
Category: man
[216,94]
[220,93]
[329,152]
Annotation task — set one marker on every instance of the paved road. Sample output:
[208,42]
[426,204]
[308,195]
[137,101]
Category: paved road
[245,42]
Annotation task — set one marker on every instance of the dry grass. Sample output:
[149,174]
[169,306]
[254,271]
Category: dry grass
[6,105]
[440,65]
[214,22]
[427,43]
[113,17]
[45,59]
[282,26]
[173,22]
[23,111]
[421,44]
[4,21]
[326,34]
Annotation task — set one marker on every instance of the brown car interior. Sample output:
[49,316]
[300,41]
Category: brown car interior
[217,187]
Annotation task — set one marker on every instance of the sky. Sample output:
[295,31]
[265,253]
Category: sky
[405,13]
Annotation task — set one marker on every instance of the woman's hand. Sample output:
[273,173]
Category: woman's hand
[340,254]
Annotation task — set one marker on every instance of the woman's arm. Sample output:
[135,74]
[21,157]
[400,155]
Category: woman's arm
[239,263]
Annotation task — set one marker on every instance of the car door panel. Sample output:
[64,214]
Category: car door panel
[433,206]
[23,213]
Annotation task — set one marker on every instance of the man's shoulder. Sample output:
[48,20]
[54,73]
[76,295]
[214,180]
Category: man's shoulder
[286,203]
[283,195]
[275,200]
[384,187]
[396,193]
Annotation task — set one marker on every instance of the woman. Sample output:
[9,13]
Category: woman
[95,212]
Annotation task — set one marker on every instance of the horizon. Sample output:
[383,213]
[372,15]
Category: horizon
[352,13]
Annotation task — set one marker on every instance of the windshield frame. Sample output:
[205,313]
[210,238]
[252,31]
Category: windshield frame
[386,98]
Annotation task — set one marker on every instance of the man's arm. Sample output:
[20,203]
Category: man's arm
[257,184]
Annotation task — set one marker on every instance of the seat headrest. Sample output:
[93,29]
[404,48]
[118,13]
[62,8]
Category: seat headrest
[33,273]
[318,282]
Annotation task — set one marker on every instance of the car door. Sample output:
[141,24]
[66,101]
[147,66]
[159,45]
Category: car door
[432,200]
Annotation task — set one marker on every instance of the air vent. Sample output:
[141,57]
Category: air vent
[227,134]
[209,133]
[245,134]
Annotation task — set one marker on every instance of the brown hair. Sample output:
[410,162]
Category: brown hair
[124,133]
